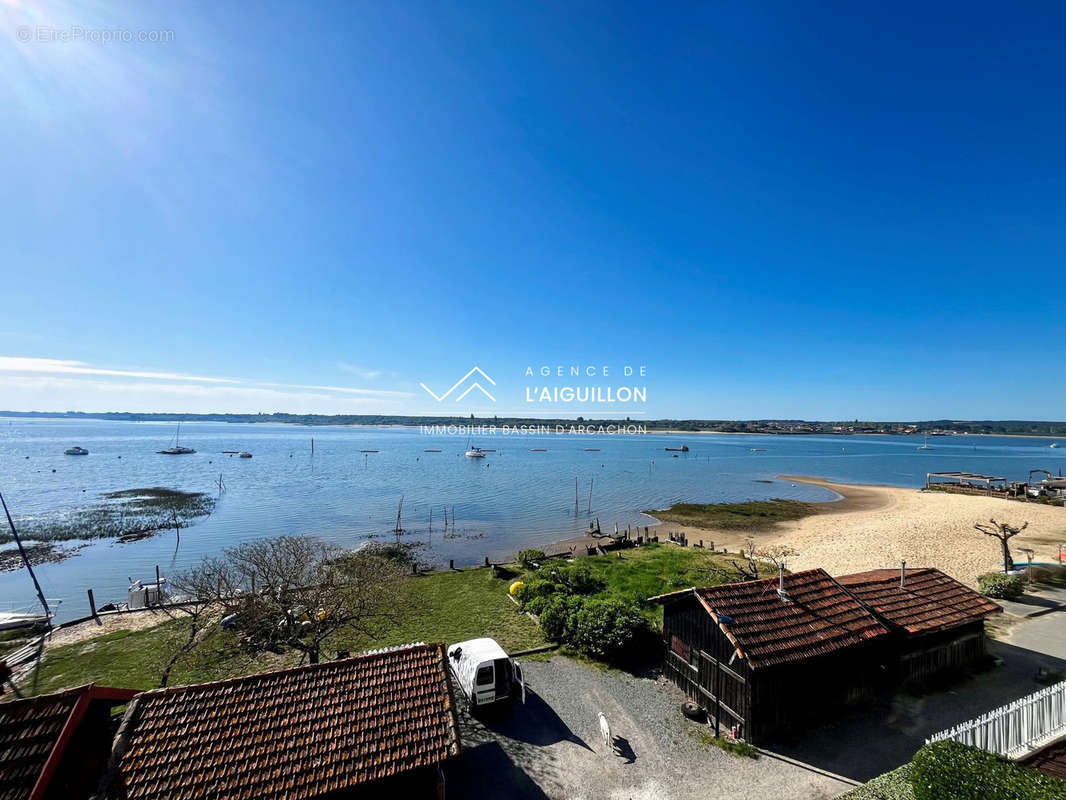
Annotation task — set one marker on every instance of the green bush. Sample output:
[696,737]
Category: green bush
[953,771]
[571,578]
[533,589]
[1000,586]
[557,618]
[606,628]
[531,559]
[894,785]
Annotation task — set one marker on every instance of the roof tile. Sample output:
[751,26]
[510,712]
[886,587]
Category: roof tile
[295,734]
[928,601]
[818,618]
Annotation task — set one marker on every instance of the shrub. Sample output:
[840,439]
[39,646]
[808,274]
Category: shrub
[894,785]
[557,618]
[531,559]
[574,578]
[1003,587]
[533,589]
[606,628]
[953,771]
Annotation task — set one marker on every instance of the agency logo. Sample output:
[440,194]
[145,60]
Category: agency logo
[475,385]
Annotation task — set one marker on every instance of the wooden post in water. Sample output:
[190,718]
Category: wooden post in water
[158,586]
[92,606]
[312,445]
[486,561]
[577,509]
[591,481]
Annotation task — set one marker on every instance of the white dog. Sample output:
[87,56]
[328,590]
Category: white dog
[605,731]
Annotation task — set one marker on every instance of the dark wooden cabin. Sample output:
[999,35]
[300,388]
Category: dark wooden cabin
[770,656]
[938,622]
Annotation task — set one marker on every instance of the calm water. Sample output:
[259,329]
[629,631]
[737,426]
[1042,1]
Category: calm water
[512,499]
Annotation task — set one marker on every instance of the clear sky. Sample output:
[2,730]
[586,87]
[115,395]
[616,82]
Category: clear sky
[827,210]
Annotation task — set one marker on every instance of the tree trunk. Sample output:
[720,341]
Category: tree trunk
[312,654]
[1008,562]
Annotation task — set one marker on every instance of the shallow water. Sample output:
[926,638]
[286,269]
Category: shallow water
[511,499]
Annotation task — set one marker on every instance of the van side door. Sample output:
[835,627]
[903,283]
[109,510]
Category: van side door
[519,680]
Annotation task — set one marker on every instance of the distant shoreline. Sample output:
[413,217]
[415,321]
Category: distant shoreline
[1054,430]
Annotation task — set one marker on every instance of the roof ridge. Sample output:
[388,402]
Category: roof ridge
[369,655]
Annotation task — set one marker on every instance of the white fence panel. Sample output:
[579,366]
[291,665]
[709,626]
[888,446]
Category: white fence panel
[1016,729]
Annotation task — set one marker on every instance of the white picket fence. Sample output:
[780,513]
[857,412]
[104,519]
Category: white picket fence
[1016,729]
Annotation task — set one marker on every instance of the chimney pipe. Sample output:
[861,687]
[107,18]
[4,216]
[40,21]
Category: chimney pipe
[781,583]
[902,573]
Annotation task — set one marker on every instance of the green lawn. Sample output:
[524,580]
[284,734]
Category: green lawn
[643,572]
[755,515]
[446,607]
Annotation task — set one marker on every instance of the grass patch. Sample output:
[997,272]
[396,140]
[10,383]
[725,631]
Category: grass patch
[657,568]
[447,607]
[754,515]
[734,748]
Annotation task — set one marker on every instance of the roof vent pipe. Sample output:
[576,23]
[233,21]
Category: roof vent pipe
[902,573]
[781,583]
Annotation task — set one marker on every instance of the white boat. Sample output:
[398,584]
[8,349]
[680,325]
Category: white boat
[925,445]
[12,620]
[1054,444]
[244,454]
[176,449]
[475,452]
[76,451]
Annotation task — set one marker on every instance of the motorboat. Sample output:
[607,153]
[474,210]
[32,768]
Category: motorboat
[176,449]
[76,451]
[475,452]
[244,454]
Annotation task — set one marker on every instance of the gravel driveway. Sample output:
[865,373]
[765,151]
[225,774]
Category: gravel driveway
[551,747]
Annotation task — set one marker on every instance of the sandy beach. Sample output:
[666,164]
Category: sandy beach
[875,526]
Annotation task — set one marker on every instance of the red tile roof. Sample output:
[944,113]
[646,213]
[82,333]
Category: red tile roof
[929,600]
[293,734]
[34,731]
[818,618]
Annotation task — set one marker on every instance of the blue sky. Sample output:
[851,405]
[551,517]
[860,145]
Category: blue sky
[820,212]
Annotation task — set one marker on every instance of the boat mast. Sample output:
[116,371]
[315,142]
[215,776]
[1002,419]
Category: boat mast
[26,560]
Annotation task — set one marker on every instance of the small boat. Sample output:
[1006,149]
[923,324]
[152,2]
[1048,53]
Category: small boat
[538,449]
[925,445]
[81,451]
[244,454]
[592,449]
[682,449]
[475,452]
[1054,444]
[431,451]
[176,449]
[13,620]
[758,449]
[369,451]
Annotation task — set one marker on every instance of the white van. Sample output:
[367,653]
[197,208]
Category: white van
[485,673]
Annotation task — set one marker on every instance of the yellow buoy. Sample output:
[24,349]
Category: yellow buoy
[515,587]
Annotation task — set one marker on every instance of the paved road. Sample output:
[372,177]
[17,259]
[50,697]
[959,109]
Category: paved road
[551,747]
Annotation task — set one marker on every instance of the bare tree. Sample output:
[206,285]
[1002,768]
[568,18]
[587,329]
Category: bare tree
[199,595]
[755,559]
[298,592]
[1004,532]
